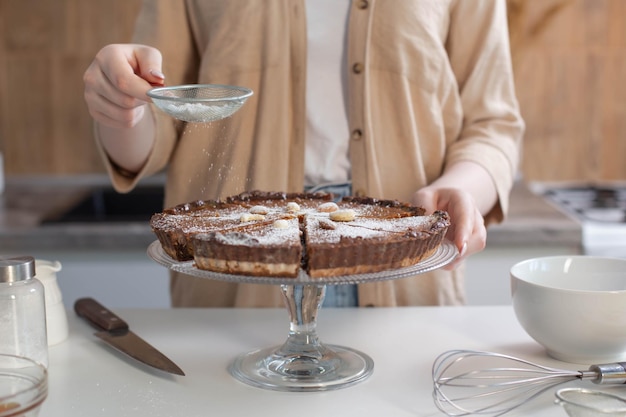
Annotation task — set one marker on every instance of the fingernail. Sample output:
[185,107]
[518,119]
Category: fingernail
[157,74]
[463,249]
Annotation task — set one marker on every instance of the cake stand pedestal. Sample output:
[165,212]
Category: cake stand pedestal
[303,362]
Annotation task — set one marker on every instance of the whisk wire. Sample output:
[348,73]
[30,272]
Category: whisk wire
[490,391]
[501,405]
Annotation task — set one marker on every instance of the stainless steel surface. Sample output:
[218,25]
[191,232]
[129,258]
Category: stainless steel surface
[600,208]
[580,402]
[476,382]
[116,333]
[609,373]
[200,103]
[18,268]
[598,203]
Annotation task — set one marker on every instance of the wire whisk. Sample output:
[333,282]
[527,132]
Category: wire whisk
[468,382]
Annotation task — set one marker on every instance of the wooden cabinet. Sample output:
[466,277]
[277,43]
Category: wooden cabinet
[569,57]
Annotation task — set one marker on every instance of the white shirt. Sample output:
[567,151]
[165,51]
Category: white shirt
[327,133]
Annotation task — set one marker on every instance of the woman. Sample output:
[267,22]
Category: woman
[406,100]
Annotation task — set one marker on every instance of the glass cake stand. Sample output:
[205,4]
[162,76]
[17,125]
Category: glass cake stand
[303,362]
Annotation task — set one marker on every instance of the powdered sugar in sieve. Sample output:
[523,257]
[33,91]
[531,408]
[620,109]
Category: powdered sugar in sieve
[200,103]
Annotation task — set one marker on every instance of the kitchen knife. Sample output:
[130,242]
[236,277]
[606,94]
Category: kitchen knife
[115,332]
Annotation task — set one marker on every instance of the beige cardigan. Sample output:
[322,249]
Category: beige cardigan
[430,84]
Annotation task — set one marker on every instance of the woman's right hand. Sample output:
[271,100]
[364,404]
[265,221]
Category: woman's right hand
[116,83]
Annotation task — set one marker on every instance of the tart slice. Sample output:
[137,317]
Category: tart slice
[365,235]
[176,226]
[271,248]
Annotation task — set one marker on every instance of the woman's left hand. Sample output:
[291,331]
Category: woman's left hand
[467,230]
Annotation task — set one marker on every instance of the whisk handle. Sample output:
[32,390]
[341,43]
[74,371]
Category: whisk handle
[609,373]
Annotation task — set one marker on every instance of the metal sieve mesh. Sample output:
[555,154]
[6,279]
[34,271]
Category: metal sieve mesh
[199,103]
[579,402]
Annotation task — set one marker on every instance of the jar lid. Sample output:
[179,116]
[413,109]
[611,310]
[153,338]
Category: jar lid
[18,268]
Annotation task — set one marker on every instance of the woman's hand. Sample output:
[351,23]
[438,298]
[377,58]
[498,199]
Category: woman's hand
[467,230]
[116,83]
[467,192]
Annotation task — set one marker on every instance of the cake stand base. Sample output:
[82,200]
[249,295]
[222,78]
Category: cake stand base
[303,363]
[334,367]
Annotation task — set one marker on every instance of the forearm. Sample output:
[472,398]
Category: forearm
[129,148]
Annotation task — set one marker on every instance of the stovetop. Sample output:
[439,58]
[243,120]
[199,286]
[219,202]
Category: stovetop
[600,209]
[606,204]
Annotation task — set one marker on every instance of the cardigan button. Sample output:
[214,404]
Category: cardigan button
[357,134]
[357,68]
[363,4]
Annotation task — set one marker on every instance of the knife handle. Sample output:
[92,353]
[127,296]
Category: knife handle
[99,315]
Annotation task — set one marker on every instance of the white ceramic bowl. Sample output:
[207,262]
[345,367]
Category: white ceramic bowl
[575,306]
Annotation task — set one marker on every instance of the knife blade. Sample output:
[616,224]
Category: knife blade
[115,332]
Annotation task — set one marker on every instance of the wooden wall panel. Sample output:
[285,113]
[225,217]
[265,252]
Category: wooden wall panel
[45,47]
[27,113]
[570,80]
[569,58]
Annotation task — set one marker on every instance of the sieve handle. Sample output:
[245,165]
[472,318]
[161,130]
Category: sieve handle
[609,373]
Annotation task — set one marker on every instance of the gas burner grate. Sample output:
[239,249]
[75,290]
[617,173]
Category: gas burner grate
[593,203]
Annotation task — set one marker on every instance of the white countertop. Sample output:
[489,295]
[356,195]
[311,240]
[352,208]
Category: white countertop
[89,379]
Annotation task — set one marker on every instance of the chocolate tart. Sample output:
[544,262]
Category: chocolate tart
[277,234]
[383,235]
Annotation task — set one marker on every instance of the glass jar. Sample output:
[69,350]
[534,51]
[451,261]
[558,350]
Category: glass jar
[22,310]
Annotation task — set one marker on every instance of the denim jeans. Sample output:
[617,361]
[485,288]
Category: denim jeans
[338,295]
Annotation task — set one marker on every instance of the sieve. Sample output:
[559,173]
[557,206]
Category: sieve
[580,402]
[199,103]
